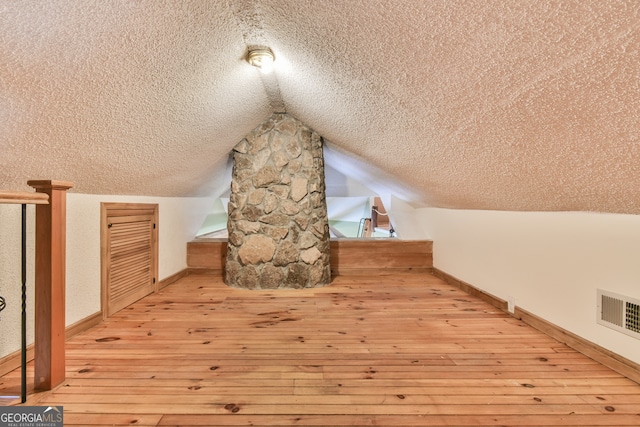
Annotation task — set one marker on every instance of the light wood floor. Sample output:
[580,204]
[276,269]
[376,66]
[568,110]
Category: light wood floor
[403,350]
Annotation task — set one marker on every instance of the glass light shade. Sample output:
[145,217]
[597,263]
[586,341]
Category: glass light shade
[262,58]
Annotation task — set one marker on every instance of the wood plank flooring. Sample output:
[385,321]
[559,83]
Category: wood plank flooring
[401,350]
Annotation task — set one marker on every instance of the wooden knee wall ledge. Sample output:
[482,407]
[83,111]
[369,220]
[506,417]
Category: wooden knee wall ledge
[614,361]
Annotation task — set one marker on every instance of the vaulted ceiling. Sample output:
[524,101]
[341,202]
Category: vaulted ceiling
[477,104]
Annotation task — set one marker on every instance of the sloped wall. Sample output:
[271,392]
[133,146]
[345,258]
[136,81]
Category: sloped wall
[278,225]
[548,263]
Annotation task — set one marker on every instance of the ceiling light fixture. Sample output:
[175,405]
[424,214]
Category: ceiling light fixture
[262,58]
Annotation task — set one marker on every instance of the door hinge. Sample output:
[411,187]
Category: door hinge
[154,225]
[154,280]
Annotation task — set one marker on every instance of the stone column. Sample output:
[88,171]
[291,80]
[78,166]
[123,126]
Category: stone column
[278,225]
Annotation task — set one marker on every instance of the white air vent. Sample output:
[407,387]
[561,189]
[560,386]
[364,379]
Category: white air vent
[619,312]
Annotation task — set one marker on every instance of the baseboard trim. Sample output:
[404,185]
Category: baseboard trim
[614,361]
[12,361]
[611,360]
[472,290]
[83,325]
[173,278]
[212,271]
[337,271]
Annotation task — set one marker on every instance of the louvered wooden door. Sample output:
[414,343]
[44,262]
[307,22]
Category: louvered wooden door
[129,255]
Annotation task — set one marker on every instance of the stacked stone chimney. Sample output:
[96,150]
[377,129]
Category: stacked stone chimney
[278,225]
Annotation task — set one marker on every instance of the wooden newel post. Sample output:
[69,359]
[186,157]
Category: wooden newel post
[49,345]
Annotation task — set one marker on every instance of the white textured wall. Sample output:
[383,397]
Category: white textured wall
[550,263]
[348,208]
[179,220]
[404,219]
[11,276]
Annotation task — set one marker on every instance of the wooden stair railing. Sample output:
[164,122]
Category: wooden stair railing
[50,271]
[24,199]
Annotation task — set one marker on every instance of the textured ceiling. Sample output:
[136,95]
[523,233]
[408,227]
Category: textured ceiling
[510,105]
